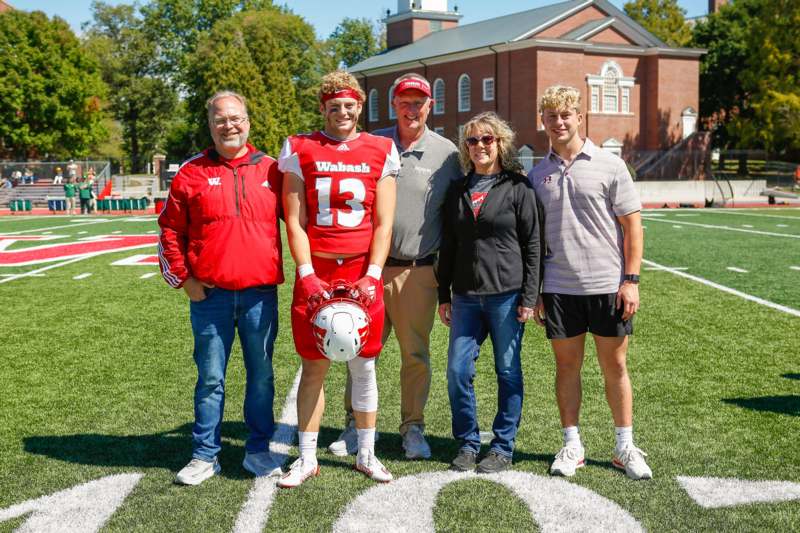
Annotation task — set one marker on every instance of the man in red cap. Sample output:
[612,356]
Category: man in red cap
[429,164]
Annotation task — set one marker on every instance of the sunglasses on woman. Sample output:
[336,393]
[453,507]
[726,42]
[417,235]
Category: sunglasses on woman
[485,139]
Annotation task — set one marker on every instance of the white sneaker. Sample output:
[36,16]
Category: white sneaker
[415,445]
[568,459]
[299,471]
[347,443]
[197,471]
[261,464]
[370,466]
[631,459]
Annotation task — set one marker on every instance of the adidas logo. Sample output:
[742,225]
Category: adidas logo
[265,184]
[343,148]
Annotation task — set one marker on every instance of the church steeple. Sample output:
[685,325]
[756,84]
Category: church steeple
[417,18]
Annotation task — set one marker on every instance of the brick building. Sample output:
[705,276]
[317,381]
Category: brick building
[5,6]
[639,94]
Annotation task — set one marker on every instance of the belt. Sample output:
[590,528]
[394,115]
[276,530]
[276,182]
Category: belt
[428,260]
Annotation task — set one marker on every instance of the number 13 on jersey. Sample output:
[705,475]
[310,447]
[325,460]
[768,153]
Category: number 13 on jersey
[328,216]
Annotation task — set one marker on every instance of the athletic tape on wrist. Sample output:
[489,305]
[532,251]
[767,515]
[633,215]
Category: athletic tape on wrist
[305,270]
[374,271]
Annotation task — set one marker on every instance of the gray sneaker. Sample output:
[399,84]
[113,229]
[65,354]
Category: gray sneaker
[197,471]
[261,464]
[347,443]
[494,462]
[415,445]
[464,461]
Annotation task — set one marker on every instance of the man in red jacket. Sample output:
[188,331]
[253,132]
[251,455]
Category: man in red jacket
[220,241]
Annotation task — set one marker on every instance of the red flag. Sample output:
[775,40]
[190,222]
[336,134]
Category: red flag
[106,191]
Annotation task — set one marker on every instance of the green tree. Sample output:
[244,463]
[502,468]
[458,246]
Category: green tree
[353,41]
[270,56]
[140,100]
[772,78]
[663,18]
[176,26]
[51,91]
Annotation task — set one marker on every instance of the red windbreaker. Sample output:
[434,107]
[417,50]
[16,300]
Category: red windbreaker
[220,222]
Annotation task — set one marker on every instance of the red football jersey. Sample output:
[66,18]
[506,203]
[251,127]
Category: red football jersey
[340,178]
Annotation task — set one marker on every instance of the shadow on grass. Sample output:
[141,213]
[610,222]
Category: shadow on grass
[785,405]
[168,449]
[790,376]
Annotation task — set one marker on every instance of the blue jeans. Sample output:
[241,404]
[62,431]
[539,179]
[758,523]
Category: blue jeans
[473,317]
[254,312]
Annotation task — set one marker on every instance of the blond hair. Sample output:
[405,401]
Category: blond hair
[503,135]
[560,98]
[339,80]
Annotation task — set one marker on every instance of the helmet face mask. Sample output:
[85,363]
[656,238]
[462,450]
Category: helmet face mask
[341,323]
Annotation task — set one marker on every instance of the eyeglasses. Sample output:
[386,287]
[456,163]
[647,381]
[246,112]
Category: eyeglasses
[485,139]
[234,121]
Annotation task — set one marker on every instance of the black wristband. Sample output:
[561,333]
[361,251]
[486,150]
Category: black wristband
[631,278]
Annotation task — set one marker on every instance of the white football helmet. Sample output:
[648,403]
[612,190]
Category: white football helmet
[341,323]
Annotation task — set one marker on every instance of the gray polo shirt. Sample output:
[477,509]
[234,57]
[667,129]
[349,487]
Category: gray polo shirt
[425,175]
[583,236]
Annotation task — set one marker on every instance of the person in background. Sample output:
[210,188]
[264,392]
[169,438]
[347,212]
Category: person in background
[488,284]
[85,196]
[70,190]
[59,176]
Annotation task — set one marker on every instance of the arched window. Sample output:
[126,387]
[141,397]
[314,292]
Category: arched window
[373,105]
[392,114]
[464,90]
[438,97]
[611,91]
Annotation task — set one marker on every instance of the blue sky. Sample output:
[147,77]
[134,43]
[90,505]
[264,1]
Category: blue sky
[324,19]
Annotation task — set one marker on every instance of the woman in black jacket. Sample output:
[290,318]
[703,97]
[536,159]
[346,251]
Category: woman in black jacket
[489,261]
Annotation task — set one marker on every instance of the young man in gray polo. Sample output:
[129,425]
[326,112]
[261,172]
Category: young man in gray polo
[429,164]
[593,232]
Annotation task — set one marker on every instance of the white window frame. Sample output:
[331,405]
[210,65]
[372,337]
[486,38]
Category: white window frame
[488,89]
[392,114]
[373,105]
[464,100]
[610,91]
[438,103]
[597,88]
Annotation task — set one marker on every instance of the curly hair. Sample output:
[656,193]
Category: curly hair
[337,81]
[504,137]
[560,97]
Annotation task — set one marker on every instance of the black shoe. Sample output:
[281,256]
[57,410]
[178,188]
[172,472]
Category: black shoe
[464,461]
[494,462]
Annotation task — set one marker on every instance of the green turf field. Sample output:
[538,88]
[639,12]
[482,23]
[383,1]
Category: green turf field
[97,379]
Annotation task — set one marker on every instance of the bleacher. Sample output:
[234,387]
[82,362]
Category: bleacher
[37,193]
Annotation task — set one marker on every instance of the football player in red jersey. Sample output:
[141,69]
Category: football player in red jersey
[339,199]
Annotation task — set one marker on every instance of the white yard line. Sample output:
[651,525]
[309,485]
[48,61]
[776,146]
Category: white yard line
[746,226]
[677,227]
[59,227]
[737,269]
[254,514]
[744,213]
[49,267]
[795,267]
[728,228]
[148,275]
[723,288]
[781,225]
[82,276]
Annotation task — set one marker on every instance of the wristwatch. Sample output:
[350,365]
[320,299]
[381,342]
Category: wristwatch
[631,278]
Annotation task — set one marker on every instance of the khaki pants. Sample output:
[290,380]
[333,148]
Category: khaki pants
[410,297]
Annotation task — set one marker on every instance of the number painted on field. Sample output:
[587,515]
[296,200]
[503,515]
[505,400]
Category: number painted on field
[80,509]
[554,504]
[348,219]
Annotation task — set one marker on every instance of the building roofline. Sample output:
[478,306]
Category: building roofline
[424,14]
[554,20]
[593,48]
